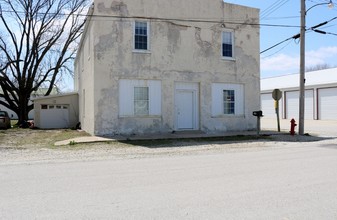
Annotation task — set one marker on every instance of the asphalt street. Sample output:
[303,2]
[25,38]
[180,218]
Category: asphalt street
[287,181]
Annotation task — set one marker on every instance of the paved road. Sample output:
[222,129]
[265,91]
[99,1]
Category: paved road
[289,181]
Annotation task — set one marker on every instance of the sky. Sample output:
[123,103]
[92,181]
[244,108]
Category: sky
[284,59]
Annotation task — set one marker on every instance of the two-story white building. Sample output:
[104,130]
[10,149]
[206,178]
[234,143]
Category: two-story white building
[149,66]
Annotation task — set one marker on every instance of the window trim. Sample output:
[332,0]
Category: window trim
[126,103]
[148,49]
[218,100]
[233,44]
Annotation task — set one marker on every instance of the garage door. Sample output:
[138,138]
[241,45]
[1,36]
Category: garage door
[54,116]
[292,105]
[268,106]
[327,104]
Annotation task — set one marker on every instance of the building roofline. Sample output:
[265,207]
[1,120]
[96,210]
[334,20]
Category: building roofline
[325,78]
[55,96]
[85,30]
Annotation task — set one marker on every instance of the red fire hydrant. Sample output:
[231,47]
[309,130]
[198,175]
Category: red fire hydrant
[292,126]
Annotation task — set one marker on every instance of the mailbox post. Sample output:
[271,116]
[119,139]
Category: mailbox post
[258,115]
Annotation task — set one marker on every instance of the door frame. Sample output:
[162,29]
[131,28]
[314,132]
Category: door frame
[190,87]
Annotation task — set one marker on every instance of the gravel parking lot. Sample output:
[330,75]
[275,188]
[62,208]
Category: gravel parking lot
[38,153]
[36,146]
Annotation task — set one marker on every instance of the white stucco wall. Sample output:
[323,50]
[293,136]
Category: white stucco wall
[181,51]
[84,78]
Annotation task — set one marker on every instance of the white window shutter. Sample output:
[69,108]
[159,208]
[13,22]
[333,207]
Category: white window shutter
[126,95]
[155,97]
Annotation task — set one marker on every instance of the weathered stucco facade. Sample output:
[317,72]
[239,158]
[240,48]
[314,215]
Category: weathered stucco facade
[182,69]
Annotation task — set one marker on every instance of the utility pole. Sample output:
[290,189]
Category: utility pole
[302,70]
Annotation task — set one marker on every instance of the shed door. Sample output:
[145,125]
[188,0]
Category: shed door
[54,116]
[327,104]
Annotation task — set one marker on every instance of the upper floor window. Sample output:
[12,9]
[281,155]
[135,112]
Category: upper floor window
[228,44]
[141,35]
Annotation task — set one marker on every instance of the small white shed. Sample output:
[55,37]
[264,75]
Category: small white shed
[57,111]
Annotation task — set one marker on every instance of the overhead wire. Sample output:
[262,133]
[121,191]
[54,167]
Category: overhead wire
[281,18]
[277,51]
[271,7]
[275,7]
[178,20]
[297,36]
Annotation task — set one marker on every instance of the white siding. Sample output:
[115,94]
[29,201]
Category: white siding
[268,106]
[292,105]
[126,96]
[217,98]
[327,104]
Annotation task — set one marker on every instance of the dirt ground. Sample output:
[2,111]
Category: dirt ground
[35,146]
[35,138]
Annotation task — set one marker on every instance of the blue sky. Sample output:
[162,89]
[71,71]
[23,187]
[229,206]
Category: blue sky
[284,59]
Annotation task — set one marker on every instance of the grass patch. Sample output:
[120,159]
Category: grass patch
[28,138]
[71,143]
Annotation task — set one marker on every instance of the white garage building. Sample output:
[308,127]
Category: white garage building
[56,111]
[320,95]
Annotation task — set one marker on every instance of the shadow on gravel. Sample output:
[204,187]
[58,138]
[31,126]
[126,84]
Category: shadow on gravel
[180,142]
[329,146]
[285,137]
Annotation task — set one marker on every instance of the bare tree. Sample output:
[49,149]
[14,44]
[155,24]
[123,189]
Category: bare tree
[37,40]
[317,67]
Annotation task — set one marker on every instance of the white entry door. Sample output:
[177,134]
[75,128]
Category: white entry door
[186,105]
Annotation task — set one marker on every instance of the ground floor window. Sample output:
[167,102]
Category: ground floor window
[227,99]
[139,97]
[229,102]
[141,100]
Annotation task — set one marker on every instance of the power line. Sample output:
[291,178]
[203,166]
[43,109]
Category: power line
[174,19]
[276,6]
[281,18]
[269,48]
[313,28]
[277,51]
[270,7]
